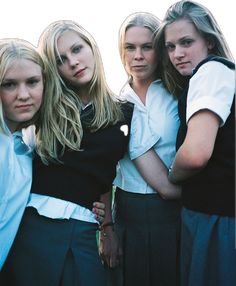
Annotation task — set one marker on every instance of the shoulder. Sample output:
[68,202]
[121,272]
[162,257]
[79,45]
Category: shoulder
[127,109]
[219,72]
[215,61]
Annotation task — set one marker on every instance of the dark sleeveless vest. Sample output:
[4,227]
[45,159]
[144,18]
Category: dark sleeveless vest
[212,190]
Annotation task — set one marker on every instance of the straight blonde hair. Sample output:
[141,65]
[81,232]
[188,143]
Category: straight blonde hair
[61,122]
[12,49]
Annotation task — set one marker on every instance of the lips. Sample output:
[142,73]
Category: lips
[181,64]
[24,106]
[79,72]
[139,66]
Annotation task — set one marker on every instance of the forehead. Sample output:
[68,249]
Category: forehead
[138,34]
[22,68]
[67,40]
[180,29]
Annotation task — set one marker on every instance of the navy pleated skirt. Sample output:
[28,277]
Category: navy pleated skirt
[148,228]
[208,253]
[53,252]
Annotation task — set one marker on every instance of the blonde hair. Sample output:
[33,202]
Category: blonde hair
[138,19]
[207,27]
[61,121]
[12,49]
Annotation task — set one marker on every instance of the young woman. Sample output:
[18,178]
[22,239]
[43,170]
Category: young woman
[21,91]
[82,133]
[147,224]
[197,61]
[22,84]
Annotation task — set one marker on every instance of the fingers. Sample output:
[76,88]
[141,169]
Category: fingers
[113,259]
[99,219]
[99,211]
[99,205]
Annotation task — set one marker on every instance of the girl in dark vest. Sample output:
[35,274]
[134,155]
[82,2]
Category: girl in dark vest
[82,134]
[198,65]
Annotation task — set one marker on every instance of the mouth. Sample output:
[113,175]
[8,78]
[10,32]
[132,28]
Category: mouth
[24,106]
[181,65]
[139,67]
[79,72]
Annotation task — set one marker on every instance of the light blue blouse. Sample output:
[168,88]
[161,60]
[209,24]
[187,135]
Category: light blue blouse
[15,184]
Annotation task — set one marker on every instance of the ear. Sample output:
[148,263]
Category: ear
[210,43]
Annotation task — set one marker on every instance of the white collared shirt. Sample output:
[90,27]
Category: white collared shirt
[154,125]
[215,95]
[15,184]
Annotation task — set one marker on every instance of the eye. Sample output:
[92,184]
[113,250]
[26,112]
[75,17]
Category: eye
[33,81]
[77,49]
[186,42]
[8,85]
[170,47]
[147,47]
[60,60]
[129,48]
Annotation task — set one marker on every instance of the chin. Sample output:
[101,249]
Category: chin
[185,72]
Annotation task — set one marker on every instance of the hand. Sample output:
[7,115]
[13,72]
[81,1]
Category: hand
[110,248]
[99,211]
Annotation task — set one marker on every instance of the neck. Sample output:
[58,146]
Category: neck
[140,87]
[83,93]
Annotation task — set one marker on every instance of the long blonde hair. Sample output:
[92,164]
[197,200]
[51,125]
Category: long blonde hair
[207,27]
[61,122]
[10,50]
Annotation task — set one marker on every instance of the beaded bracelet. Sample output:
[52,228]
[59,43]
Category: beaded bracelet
[104,225]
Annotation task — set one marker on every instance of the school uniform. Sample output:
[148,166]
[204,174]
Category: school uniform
[15,184]
[208,255]
[147,225]
[56,243]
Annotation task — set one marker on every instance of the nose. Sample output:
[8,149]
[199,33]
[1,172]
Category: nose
[179,52]
[23,93]
[73,61]
[138,54]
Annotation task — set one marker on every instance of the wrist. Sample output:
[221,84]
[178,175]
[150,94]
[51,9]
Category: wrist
[105,228]
[171,178]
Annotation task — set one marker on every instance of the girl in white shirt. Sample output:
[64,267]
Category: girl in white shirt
[147,224]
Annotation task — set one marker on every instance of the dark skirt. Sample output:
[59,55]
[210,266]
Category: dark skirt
[208,254]
[53,252]
[148,228]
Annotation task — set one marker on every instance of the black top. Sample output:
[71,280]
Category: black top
[85,175]
[212,190]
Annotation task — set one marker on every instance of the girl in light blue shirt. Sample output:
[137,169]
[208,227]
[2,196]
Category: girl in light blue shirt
[21,91]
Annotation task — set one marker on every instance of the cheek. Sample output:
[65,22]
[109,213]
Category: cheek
[127,61]
[39,97]
[62,72]
[171,57]
[6,100]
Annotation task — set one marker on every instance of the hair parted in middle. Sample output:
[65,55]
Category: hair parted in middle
[61,122]
[137,19]
[12,49]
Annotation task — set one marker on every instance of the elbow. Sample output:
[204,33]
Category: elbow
[198,160]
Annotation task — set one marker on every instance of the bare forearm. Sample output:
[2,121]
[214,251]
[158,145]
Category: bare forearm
[155,173]
[197,147]
[107,199]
